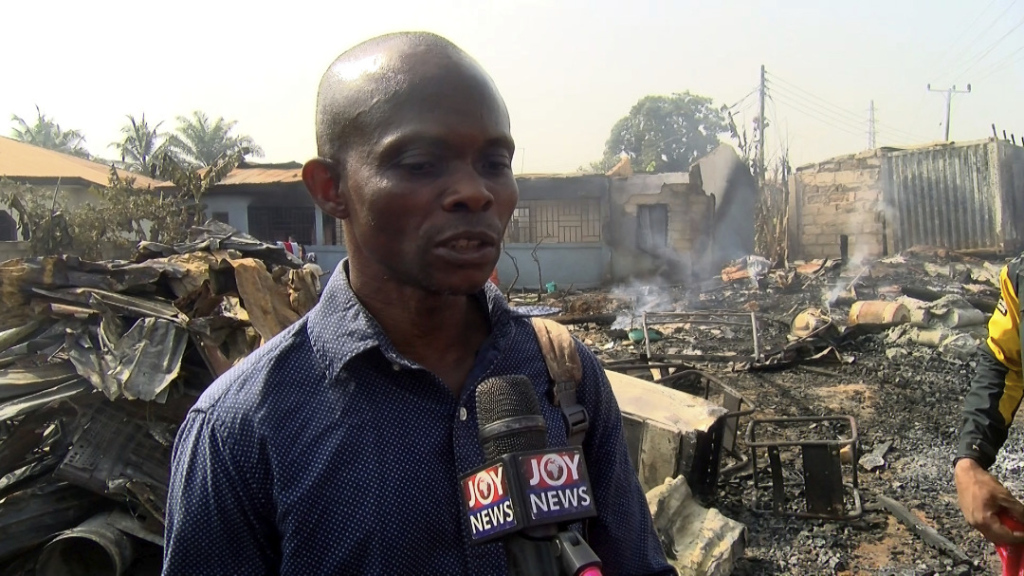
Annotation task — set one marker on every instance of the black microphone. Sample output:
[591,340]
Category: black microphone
[526,493]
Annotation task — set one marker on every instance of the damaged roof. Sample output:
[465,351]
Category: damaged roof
[27,163]
[250,173]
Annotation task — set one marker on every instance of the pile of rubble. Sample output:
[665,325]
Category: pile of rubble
[817,438]
[99,362]
[843,384]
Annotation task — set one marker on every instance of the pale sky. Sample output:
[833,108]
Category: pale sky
[567,69]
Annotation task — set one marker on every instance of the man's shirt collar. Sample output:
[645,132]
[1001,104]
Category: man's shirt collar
[340,328]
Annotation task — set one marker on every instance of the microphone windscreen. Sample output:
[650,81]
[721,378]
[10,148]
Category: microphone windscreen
[509,417]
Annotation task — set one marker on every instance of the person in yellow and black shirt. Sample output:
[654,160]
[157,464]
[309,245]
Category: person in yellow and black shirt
[988,411]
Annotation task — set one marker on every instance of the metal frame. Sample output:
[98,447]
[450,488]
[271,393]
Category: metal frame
[701,318]
[734,402]
[823,482]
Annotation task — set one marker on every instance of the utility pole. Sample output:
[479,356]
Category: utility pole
[760,129]
[949,101]
[871,126]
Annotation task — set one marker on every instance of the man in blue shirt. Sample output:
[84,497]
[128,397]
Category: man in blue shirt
[337,447]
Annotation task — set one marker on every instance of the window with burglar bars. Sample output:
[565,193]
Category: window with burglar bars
[555,221]
[278,223]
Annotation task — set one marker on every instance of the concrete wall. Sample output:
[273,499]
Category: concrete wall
[842,196]
[690,226]
[580,265]
[237,207]
[584,265]
[328,257]
[724,175]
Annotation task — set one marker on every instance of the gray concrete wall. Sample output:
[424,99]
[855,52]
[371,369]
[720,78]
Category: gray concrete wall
[580,265]
[328,257]
[237,208]
[724,175]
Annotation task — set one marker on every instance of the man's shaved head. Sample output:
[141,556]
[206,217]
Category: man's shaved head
[358,88]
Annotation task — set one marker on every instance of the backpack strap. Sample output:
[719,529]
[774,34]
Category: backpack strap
[566,371]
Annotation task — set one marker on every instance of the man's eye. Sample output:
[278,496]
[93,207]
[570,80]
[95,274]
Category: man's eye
[498,165]
[418,167]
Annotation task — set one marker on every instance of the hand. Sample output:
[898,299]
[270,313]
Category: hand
[982,498]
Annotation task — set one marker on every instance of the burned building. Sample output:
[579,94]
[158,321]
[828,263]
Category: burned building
[588,230]
[959,196]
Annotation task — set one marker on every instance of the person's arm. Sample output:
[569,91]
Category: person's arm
[216,521]
[988,411]
[997,387]
[623,534]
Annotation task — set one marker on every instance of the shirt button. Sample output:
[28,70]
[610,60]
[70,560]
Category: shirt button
[396,367]
[463,414]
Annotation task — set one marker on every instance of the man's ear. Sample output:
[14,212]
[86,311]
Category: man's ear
[323,180]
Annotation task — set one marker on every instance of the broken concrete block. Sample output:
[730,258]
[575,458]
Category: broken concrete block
[698,541]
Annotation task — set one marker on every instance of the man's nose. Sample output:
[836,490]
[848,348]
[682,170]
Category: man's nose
[468,191]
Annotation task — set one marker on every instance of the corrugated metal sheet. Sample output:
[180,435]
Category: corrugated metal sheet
[958,197]
[19,160]
[263,174]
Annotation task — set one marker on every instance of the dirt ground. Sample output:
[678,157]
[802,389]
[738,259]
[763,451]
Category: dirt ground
[912,400]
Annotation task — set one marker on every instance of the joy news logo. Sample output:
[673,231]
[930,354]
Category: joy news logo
[555,486]
[488,502]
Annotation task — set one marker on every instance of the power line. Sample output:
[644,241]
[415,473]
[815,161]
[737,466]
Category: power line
[989,51]
[1009,59]
[839,114]
[824,111]
[812,107]
[853,117]
[964,31]
[960,61]
[742,100]
[789,86]
[819,118]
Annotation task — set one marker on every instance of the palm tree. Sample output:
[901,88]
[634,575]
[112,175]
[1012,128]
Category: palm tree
[200,143]
[46,133]
[141,147]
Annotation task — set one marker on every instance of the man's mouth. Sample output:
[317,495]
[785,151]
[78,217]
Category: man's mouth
[465,244]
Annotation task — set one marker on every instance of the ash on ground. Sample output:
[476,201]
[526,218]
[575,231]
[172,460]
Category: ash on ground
[904,385]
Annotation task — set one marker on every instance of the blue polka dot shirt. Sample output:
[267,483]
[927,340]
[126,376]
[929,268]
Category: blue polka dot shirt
[325,452]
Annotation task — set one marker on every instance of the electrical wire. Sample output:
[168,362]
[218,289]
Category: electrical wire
[783,151]
[849,119]
[964,31]
[1009,59]
[783,84]
[958,63]
[989,51]
[824,120]
[837,112]
[742,100]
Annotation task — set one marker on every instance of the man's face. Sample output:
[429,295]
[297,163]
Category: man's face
[430,189]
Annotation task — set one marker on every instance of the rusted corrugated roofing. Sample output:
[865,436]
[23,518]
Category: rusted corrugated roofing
[248,173]
[19,160]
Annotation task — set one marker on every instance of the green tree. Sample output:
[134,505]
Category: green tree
[141,146]
[200,143]
[47,133]
[665,133]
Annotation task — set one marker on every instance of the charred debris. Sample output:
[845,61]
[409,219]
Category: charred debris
[99,363]
[800,430]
